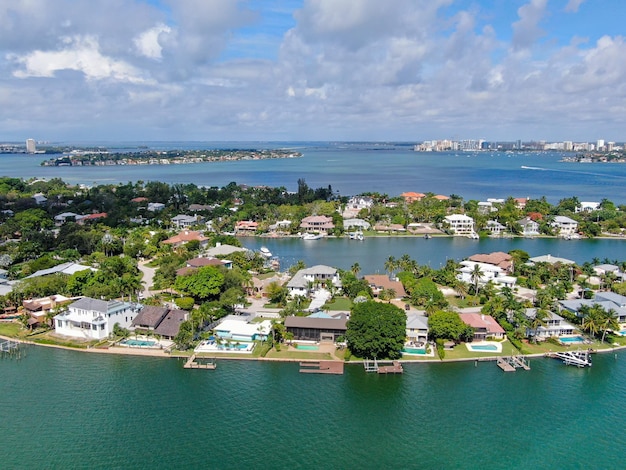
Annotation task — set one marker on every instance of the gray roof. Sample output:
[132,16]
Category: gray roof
[550,259]
[171,323]
[416,321]
[318,323]
[102,306]
[150,316]
[224,250]
[65,268]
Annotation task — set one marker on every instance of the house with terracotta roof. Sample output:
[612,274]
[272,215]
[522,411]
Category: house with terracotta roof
[185,237]
[411,196]
[520,202]
[196,263]
[441,197]
[488,273]
[91,218]
[484,326]
[317,223]
[380,282]
[139,199]
[246,227]
[497,258]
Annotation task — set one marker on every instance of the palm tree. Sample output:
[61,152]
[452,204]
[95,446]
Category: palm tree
[461,288]
[592,318]
[541,319]
[610,322]
[356,269]
[390,265]
[476,275]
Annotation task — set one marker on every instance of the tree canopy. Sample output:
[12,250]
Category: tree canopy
[376,330]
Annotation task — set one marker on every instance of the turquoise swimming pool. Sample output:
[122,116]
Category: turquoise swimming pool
[138,343]
[483,347]
[307,347]
[413,351]
[572,339]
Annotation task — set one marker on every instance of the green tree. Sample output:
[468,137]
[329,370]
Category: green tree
[448,325]
[184,338]
[202,284]
[376,330]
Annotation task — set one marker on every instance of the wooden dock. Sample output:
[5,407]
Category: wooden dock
[322,367]
[394,368]
[193,364]
[512,363]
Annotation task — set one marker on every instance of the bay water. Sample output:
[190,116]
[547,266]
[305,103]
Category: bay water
[65,409]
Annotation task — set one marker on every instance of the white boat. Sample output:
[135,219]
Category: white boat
[312,236]
[473,236]
[265,252]
[356,236]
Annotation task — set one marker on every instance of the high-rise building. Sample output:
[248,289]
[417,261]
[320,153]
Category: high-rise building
[600,144]
[30,146]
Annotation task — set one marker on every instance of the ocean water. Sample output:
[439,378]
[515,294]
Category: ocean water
[356,168]
[65,409]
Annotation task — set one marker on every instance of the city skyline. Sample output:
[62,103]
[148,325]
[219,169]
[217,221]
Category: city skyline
[289,70]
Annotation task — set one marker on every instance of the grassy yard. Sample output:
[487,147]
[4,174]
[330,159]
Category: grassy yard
[291,354]
[339,303]
[12,329]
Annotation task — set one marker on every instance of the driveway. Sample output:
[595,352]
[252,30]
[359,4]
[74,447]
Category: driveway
[147,279]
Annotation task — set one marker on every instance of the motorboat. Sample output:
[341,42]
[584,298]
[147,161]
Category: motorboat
[265,252]
[312,236]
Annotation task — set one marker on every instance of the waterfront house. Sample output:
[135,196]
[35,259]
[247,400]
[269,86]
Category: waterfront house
[603,269]
[223,250]
[489,272]
[186,221]
[380,282]
[564,225]
[460,224]
[246,227]
[93,319]
[305,280]
[549,259]
[530,228]
[208,261]
[484,326]
[169,326]
[555,326]
[497,258]
[38,309]
[397,228]
[313,328]
[358,224]
[240,329]
[317,224]
[416,328]
[495,228]
[185,237]
[149,317]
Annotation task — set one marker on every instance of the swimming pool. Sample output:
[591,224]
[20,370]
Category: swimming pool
[138,343]
[572,339]
[307,347]
[622,333]
[483,347]
[413,351]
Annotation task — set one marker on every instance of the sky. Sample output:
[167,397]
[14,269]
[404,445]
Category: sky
[288,70]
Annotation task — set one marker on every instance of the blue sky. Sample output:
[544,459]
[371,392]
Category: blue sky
[312,69]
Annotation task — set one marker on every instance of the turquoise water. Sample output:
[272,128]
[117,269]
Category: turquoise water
[107,411]
[414,351]
[571,339]
[483,347]
[307,347]
[138,342]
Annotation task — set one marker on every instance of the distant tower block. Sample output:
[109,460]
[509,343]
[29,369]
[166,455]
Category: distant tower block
[30,146]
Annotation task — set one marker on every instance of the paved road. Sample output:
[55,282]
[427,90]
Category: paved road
[147,280]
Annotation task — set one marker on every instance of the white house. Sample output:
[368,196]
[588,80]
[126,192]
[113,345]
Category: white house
[356,223]
[242,330]
[62,218]
[565,225]
[530,228]
[155,206]
[460,224]
[300,282]
[587,207]
[94,319]
[489,272]
[495,228]
[416,327]
[186,221]
[555,326]
[486,207]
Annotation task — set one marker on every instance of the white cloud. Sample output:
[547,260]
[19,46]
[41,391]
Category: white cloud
[573,5]
[526,31]
[148,44]
[80,54]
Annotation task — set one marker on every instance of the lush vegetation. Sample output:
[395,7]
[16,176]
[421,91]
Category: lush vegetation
[376,330]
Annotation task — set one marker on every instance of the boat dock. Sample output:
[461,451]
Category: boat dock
[322,367]
[573,358]
[512,363]
[392,367]
[193,364]
[10,349]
